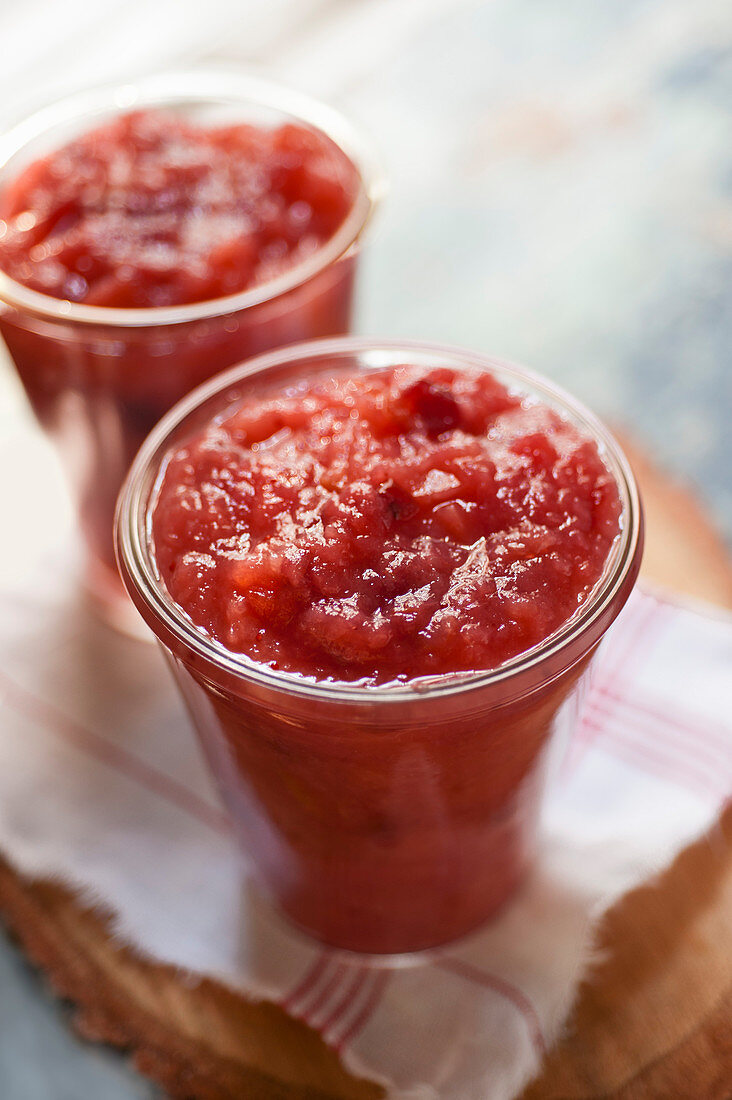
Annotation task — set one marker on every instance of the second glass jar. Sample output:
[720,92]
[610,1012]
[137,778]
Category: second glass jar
[99,378]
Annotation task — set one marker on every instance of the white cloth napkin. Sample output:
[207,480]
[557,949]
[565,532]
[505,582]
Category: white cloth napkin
[102,786]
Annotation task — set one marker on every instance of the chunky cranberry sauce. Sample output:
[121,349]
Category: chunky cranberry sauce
[385,525]
[152,210]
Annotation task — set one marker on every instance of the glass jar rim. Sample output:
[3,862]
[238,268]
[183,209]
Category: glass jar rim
[199,86]
[137,562]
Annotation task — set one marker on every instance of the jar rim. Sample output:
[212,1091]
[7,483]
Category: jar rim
[198,87]
[175,629]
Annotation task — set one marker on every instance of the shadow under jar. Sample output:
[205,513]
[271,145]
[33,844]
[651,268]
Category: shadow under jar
[99,377]
[381,818]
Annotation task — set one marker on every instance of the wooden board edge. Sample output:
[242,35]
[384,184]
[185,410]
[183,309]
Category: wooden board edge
[47,922]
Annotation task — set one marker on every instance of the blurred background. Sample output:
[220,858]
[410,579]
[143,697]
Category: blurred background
[561,194]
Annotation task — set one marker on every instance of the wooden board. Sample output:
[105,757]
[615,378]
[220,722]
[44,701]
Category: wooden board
[653,1020]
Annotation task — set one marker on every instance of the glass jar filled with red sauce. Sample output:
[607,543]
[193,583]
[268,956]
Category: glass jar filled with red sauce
[152,235]
[379,572]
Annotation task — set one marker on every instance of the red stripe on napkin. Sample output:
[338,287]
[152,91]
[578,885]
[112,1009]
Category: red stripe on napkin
[378,985]
[686,723]
[111,755]
[644,623]
[504,989]
[330,989]
[646,754]
[697,750]
[308,981]
[346,1002]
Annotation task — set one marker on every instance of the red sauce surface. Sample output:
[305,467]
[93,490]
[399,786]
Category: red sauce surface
[151,210]
[386,525]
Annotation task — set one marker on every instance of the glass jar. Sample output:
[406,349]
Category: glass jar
[381,819]
[99,378]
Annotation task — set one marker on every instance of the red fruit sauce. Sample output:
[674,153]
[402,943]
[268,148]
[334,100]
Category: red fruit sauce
[152,210]
[386,525]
